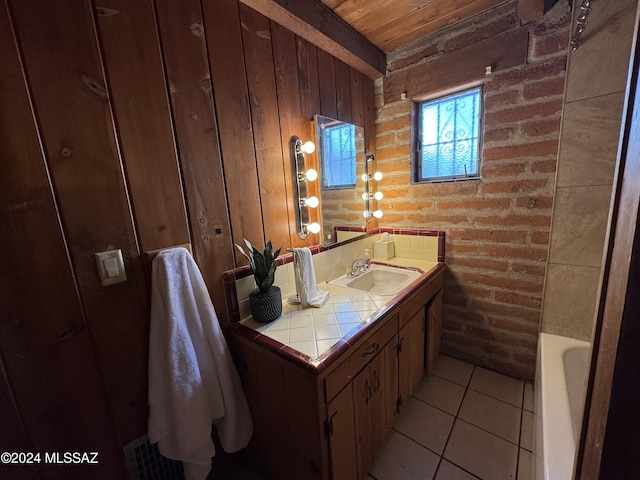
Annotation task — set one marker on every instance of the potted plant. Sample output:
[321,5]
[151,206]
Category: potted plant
[266,300]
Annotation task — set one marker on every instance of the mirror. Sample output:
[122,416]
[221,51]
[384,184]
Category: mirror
[341,162]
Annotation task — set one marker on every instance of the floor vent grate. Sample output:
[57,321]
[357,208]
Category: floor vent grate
[144,462]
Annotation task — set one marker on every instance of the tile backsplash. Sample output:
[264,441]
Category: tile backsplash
[333,262]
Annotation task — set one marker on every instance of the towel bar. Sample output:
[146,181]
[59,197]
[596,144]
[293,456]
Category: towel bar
[151,254]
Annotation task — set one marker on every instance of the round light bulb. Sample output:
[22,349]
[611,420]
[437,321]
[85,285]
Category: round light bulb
[378,214]
[366,214]
[314,227]
[365,196]
[378,196]
[364,177]
[312,202]
[308,147]
[377,176]
[311,175]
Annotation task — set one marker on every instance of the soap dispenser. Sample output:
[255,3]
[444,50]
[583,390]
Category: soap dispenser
[366,259]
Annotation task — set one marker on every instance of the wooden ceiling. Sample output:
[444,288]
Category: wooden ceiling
[362,32]
[391,24]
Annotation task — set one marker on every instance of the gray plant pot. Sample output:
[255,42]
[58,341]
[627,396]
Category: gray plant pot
[266,307]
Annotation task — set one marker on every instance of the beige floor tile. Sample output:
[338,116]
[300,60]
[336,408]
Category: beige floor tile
[494,416]
[453,369]
[440,393]
[448,471]
[525,465]
[424,424]
[529,398]
[481,453]
[498,386]
[403,459]
[526,431]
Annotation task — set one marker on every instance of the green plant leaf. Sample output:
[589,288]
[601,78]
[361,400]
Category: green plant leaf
[263,264]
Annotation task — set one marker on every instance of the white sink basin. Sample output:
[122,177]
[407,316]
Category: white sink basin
[380,280]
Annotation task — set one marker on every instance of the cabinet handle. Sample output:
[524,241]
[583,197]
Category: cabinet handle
[368,391]
[329,424]
[373,349]
[376,381]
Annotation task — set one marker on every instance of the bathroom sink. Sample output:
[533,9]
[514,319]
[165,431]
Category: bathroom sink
[380,280]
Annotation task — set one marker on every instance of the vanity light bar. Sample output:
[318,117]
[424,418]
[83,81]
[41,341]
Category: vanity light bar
[298,151]
[368,196]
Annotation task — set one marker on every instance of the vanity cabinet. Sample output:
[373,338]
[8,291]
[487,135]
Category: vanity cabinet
[341,430]
[433,331]
[369,402]
[411,351]
[330,425]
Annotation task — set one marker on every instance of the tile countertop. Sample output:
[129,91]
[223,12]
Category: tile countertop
[314,337]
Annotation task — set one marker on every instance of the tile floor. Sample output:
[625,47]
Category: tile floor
[463,422]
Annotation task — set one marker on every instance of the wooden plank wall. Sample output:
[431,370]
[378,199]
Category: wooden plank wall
[138,126]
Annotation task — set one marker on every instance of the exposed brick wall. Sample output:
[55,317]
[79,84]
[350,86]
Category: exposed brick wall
[497,227]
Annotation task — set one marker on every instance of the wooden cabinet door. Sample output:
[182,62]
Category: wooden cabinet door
[375,393]
[342,435]
[377,405]
[362,400]
[411,355]
[390,383]
[434,332]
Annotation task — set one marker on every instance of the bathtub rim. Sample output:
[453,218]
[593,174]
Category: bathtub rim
[555,444]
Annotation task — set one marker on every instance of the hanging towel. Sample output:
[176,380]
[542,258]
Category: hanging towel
[306,286]
[193,382]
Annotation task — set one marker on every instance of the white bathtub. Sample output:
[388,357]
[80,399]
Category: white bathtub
[561,375]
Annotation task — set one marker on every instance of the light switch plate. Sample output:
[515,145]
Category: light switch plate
[111,267]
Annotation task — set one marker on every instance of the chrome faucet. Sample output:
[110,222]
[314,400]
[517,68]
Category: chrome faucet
[358,268]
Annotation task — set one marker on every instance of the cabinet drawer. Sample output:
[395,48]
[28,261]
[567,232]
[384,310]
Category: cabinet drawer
[367,349]
[420,298]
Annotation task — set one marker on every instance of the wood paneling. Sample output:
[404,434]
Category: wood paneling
[309,87]
[343,92]
[315,23]
[74,353]
[226,58]
[85,168]
[45,343]
[263,99]
[292,120]
[139,97]
[327,84]
[308,78]
[392,24]
[460,66]
[187,65]
[13,437]
[357,99]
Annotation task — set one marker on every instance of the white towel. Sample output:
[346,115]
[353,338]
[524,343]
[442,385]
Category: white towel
[306,286]
[193,382]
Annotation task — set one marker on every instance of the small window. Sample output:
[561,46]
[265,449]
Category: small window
[448,138]
[338,157]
